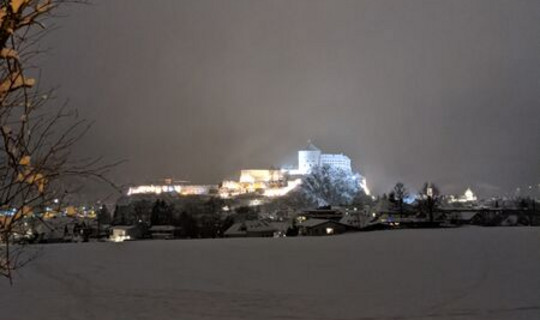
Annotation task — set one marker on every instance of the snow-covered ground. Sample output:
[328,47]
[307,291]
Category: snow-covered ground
[466,273]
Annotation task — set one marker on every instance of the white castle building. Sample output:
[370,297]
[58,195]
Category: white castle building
[278,182]
[312,156]
[467,197]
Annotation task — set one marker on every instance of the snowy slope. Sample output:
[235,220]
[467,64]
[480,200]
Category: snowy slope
[466,273]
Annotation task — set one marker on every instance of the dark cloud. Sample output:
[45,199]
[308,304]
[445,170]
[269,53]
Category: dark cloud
[447,91]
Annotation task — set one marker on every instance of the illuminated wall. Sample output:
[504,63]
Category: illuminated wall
[340,161]
[179,189]
[261,175]
[313,157]
[308,159]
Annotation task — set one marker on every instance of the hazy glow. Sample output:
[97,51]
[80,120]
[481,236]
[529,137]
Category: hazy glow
[468,196]
[254,203]
[363,185]
[250,176]
[279,192]
[179,189]
[119,235]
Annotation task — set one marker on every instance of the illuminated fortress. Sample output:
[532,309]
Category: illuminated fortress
[278,182]
[266,182]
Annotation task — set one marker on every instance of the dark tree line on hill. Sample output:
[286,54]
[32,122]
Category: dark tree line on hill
[427,203]
[202,220]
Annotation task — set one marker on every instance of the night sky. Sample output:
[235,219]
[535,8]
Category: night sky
[447,91]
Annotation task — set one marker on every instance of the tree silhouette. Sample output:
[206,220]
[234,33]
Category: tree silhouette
[103,215]
[429,200]
[161,213]
[397,197]
[35,138]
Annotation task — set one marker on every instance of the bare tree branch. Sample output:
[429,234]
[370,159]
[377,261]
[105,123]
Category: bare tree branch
[35,140]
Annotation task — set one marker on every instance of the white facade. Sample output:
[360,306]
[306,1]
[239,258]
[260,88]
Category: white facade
[264,175]
[468,196]
[339,161]
[308,159]
[312,157]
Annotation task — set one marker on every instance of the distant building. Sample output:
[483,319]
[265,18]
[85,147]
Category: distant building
[271,175]
[256,228]
[267,182]
[339,161]
[170,186]
[321,227]
[123,233]
[278,182]
[312,157]
[308,158]
[326,213]
[467,197]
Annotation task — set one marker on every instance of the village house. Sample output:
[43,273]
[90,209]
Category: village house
[123,233]
[321,227]
[256,228]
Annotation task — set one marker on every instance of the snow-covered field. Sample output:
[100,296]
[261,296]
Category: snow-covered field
[466,273]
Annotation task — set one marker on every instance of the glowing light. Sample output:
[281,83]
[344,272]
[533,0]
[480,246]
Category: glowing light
[230,185]
[468,196]
[119,236]
[246,178]
[179,189]
[363,185]
[144,189]
[273,182]
[279,192]
[329,230]
[252,176]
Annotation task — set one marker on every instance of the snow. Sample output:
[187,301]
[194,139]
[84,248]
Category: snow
[464,273]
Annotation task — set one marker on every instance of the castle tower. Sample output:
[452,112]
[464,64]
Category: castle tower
[308,158]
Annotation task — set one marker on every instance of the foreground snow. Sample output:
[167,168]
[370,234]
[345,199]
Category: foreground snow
[466,273]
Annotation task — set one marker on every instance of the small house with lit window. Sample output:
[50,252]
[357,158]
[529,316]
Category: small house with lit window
[164,232]
[321,227]
[123,233]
